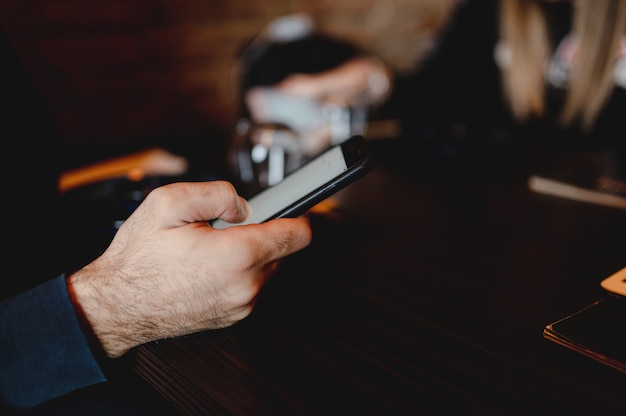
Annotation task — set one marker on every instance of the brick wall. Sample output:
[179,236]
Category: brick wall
[121,71]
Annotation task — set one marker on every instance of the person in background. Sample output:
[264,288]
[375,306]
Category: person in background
[279,131]
[72,306]
[505,74]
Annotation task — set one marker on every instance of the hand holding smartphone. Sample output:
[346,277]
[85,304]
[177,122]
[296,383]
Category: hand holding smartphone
[321,177]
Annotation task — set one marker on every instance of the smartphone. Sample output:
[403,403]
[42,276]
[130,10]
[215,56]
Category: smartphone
[316,180]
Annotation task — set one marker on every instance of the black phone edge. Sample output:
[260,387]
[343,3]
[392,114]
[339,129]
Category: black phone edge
[354,172]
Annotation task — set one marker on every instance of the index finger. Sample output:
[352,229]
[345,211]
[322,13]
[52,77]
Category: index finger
[275,239]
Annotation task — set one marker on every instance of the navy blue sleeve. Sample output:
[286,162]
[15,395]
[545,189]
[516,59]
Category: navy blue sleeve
[43,351]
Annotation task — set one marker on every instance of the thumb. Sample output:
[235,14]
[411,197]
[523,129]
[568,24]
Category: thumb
[181,203]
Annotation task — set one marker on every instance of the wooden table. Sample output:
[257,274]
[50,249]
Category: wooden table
[420,294]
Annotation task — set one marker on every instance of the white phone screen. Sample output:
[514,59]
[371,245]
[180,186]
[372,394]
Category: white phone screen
[298,184]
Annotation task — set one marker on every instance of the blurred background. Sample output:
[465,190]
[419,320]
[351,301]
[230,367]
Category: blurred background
[124,74]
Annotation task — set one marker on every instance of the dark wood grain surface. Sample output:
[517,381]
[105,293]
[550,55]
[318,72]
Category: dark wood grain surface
[420,294]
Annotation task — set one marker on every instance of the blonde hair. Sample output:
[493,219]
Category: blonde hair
[598,26]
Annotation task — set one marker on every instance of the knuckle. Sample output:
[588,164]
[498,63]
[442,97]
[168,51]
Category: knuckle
[162,196]
[225,189]
[242,313]
[244,294]
[226,193]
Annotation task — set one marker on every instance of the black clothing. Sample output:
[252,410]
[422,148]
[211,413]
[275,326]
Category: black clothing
[453,106]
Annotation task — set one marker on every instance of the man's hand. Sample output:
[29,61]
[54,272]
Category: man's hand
[168,273]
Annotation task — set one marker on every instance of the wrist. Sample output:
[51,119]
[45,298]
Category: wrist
[94,308]
[94,343]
